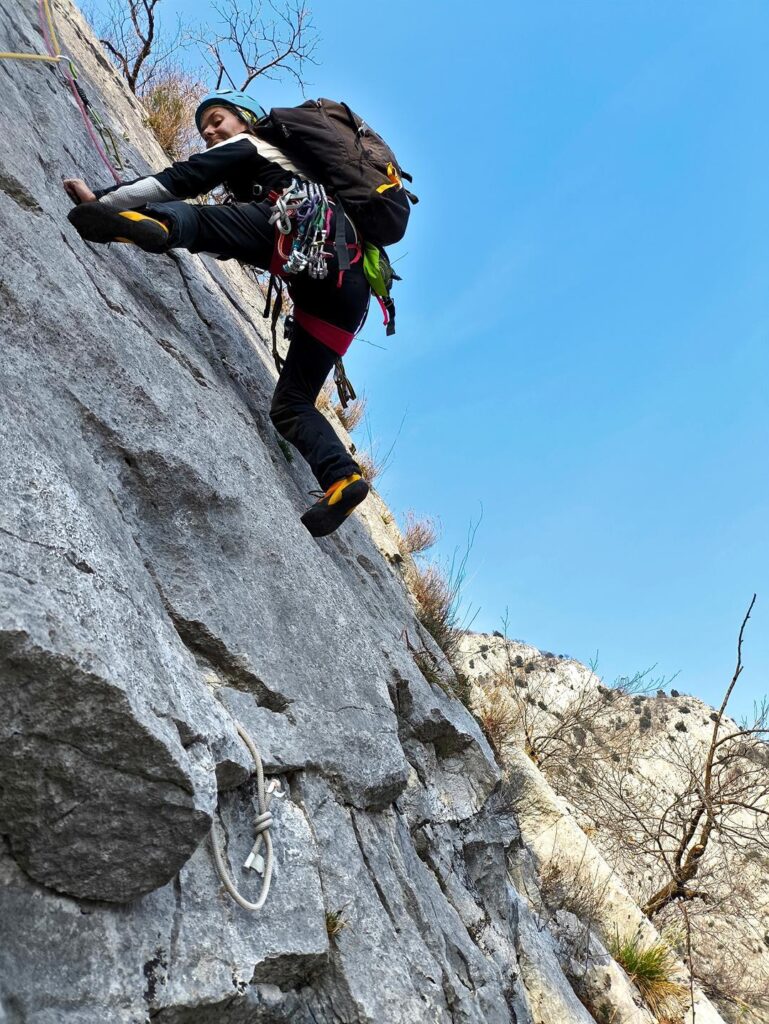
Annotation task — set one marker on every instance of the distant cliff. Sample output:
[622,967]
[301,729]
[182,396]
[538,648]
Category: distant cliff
[621,762]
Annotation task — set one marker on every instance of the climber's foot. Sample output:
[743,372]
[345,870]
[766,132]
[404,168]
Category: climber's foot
[97,223]
[334,507]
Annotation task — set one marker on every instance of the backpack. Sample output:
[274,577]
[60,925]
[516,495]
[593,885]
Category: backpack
[350,160]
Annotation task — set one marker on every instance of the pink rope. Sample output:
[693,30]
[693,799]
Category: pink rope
[68,75]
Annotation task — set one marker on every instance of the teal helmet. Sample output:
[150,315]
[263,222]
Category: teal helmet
[245,106]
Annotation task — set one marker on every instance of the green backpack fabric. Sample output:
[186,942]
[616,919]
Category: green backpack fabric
[380,276]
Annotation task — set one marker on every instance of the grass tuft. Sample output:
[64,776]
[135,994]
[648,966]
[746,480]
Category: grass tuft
[436,601]
[651,968]
[323,401]
[285,447]
[335,922]
[369,467]
[353,414]
[497,714]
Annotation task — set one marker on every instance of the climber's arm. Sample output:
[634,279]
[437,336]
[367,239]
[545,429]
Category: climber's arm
[186,179]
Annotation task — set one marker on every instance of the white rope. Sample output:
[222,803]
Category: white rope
[262,823]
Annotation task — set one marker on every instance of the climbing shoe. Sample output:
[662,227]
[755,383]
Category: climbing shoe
[335,506]
[97,223]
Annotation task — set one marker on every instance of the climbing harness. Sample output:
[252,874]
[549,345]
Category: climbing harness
[92,120]
[305,210]
[263,865]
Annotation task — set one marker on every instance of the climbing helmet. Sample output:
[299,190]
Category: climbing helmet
[245,106]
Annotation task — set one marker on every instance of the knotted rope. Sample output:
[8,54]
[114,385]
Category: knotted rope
[262,823]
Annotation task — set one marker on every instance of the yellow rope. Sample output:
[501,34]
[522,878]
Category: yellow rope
[31,56]
[51,29]
[39,56]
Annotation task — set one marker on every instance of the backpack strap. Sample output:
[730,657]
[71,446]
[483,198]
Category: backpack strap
[340,238]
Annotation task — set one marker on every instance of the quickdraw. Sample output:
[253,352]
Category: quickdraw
[304,210]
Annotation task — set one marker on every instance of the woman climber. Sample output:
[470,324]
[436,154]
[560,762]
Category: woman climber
[280,222]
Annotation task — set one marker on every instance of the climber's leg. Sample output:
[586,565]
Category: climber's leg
[239,231]
[327,314]
[293,412]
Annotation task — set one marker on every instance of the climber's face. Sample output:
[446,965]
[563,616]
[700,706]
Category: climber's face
[219,124]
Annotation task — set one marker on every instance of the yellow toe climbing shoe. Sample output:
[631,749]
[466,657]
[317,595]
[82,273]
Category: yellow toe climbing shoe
[97,223]
[327,514]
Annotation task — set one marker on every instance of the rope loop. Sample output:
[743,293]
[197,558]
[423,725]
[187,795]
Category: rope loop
[262,823]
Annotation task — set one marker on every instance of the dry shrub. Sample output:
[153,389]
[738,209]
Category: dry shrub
[436,598]
[573,887]
[170,102]
[323,401]
[438,593]
[336,921]
[497,714]
[353,414]
[419,535]
[369,467]
[428,665]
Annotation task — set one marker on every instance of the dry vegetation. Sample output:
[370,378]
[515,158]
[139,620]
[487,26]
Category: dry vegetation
[351,416]
[560,725]
[574,887]
[335,922]
[244,39]
[418,535]
[323,401]
[497,713]
[170,102]
[681,811]
[652,967]
[370,468]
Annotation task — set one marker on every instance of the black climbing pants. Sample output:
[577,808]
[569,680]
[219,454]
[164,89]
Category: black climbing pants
[242,231]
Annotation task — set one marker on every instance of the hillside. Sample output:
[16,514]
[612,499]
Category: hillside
[621,758]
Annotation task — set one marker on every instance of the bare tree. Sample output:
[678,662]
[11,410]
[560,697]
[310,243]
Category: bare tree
[137,41]
[679,803]
[717,806]
[726,794]
[255,37]
[259,38]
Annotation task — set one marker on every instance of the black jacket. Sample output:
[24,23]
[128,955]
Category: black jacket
[239,163]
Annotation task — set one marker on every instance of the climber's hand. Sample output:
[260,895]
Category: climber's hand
[78,191]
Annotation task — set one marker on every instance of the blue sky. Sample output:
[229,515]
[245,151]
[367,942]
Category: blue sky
[583,325]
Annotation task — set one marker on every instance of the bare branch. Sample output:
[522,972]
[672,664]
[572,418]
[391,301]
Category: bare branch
[262,39]
[139,46]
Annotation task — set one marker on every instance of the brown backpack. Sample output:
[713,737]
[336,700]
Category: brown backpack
[354,164]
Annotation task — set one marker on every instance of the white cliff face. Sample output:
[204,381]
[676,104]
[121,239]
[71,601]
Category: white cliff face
[156,584]
[562,821]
